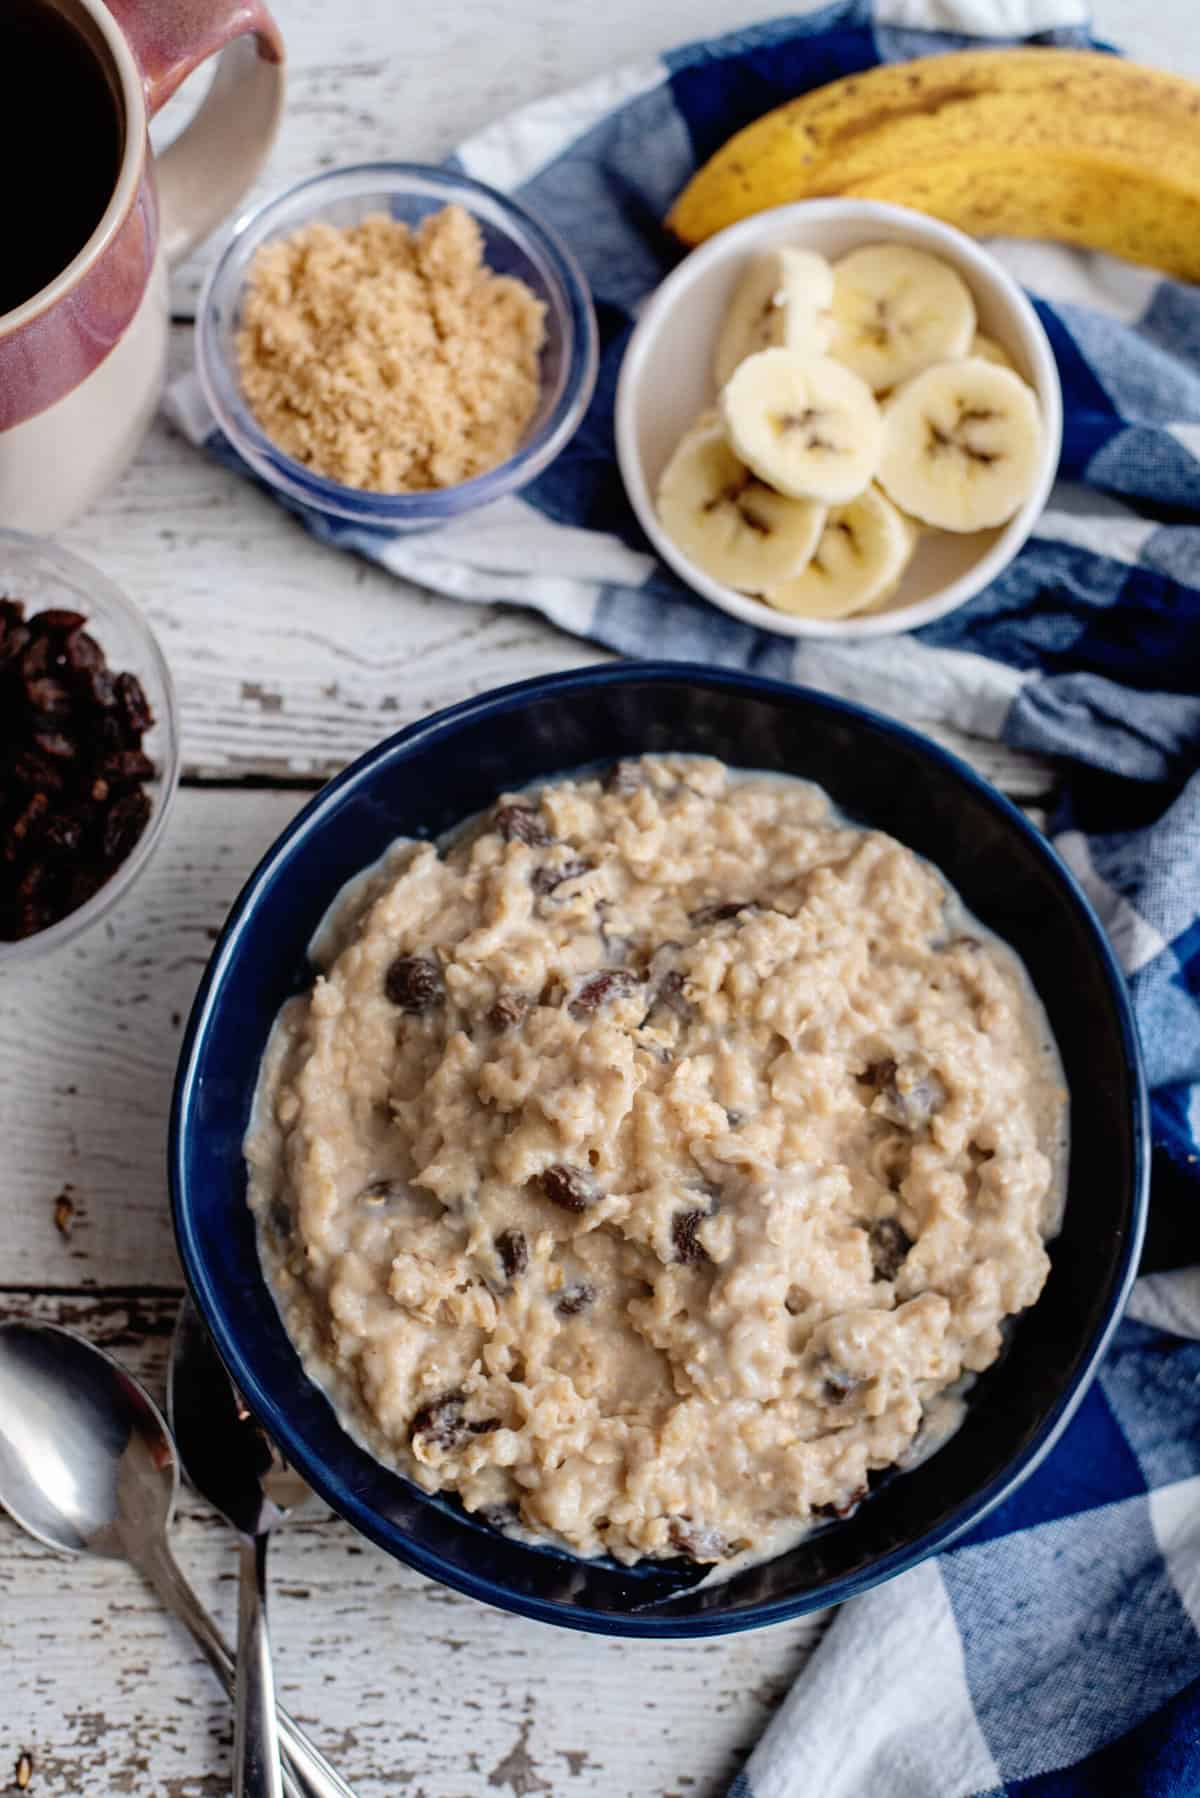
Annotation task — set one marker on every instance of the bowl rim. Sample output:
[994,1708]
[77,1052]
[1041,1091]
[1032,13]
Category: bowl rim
[327,1483]
[76,569]
[222,391]
[924,232]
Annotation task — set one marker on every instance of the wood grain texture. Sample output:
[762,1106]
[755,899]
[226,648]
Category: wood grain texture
[406,1686]
[88,1043]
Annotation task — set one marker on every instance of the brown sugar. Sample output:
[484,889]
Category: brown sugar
[390,359]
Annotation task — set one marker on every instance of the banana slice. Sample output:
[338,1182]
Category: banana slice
[897,311]
[864,549]
[726,521]
[962,443]
[783,299]
[988,350]
[807,426]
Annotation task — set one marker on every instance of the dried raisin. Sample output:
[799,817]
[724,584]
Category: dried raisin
[414,983]
[688,1247]
[442,1424]
[512,1251]
[570,1188]
[575,1298]
[879,1074]
[56,622]
[601,989]
[518,823]
[125,766]
[82,654]
[133,705]
[507,1010]
[890,1243]
[838,1384]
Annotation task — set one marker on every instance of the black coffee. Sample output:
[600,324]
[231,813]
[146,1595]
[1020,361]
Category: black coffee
[61,139]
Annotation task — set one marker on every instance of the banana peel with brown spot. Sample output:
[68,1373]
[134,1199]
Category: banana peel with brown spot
[1072,145]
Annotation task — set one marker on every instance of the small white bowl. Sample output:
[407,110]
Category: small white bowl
[666,381]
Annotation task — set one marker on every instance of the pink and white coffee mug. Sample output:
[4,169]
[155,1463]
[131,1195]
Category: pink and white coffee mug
[82,359]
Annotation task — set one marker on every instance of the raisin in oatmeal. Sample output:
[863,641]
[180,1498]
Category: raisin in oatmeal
[647,1165]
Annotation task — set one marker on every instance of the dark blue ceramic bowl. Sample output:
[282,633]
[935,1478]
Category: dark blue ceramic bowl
[439,771]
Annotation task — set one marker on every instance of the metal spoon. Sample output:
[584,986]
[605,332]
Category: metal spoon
[87,1465]
[233,1463]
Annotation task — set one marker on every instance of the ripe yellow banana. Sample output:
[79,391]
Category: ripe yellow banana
[1068,144]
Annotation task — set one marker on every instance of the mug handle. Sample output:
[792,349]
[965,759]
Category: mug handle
[203,174]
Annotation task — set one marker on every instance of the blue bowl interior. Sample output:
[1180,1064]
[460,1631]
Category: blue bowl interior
[436,773]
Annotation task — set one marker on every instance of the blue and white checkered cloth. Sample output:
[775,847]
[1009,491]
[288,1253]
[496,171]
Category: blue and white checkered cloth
[1057,1649]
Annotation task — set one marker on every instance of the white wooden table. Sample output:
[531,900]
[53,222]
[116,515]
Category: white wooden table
[290,660]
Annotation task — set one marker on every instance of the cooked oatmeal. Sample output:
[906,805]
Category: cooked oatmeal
[645,1165]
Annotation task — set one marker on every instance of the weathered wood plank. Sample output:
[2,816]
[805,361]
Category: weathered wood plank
[407,1686]
[88,1042]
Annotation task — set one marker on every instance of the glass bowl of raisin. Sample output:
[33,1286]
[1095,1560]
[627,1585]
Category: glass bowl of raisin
[89,746]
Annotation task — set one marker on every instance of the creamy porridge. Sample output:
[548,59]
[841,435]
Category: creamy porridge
[646,1165]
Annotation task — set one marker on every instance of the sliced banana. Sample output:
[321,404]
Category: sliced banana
[864,549]
[726,522]
[988,350]
[897,311]
[962,445]
[784,299]
[807,426]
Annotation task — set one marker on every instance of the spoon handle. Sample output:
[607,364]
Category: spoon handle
[309,1774]
[256,1769]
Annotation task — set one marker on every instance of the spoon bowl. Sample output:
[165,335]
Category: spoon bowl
[85,1456]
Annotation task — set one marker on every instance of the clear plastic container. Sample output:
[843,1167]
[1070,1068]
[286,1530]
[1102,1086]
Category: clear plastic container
[514,244]
[44,577]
